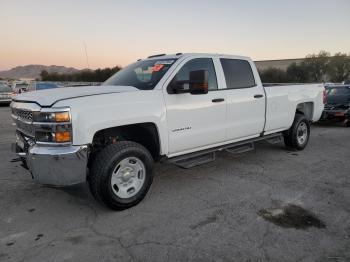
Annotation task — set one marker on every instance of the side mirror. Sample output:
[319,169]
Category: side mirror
[199,82]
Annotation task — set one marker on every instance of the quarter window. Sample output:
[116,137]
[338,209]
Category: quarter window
[198,64]
[238,73]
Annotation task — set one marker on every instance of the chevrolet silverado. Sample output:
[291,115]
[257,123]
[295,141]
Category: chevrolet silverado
[178,108]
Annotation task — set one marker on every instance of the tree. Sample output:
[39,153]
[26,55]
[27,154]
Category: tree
[317,65]
[44,75]
[273,75]
[297,73]
[339,68]
[98,75]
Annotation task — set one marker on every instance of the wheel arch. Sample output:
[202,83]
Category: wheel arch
[146,134]
[305,108]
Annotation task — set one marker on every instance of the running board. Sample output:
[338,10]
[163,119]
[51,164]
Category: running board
[192,161]
[209,155]
[274,140]
[239,149]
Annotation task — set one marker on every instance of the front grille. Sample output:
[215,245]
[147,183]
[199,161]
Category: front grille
[24,119]
[24,115]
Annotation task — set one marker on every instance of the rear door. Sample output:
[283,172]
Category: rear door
[245,100]
[195,121]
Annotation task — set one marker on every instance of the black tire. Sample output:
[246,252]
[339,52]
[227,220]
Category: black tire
[291,135]
[102,169]
[348,123]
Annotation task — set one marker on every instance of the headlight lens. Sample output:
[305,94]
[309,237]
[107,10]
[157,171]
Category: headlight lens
[62,117]
[53,127]
[47,117]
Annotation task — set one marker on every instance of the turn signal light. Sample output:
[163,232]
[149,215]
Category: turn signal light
[62,137]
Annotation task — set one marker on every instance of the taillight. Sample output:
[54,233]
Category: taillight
[324,97]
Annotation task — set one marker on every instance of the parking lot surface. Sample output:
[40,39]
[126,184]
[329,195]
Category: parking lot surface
[209,213]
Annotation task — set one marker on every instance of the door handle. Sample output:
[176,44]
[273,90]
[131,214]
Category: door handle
[218,100]
[258,96]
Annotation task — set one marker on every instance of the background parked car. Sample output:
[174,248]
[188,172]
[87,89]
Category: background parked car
[19,88]
[35,86]
[6,94]
[337,107]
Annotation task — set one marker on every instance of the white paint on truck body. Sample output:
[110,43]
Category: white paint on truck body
[185,123]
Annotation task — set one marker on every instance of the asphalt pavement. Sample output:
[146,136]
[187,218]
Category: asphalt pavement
[228,210]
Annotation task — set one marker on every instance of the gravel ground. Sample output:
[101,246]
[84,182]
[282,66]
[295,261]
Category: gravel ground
[208,213]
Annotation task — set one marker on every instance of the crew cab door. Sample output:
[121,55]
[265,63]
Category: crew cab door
[194,120]
[245,99]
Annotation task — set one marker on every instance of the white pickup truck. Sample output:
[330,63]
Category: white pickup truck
[180,108]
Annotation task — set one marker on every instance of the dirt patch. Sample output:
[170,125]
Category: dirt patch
[291,216]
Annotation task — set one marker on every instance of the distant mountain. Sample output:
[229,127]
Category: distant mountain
[33,71]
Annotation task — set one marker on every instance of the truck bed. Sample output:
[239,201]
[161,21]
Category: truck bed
[283,99]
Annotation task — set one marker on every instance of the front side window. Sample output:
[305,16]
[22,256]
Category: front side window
[195,65]
[238,73]
[143,75]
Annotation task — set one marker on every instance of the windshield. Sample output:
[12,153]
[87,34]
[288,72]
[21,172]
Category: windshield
[5,88]
[143,75]
[42,86]
[336,95]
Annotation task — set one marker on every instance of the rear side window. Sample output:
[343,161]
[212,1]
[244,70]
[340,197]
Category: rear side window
[238,73]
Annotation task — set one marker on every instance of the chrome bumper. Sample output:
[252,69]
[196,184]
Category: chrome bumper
[57,166]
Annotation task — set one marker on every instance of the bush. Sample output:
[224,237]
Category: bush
[321,67]
[98,75]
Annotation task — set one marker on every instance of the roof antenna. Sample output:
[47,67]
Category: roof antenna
[86,55]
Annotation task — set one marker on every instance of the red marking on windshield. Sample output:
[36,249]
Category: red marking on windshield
[157,68]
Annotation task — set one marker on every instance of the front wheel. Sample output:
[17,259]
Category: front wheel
[121,174]
[298,135]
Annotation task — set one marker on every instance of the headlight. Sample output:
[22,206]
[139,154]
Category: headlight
[53,126]
[47,117]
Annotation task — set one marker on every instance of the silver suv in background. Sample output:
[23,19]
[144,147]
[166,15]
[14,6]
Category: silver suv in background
[6,94]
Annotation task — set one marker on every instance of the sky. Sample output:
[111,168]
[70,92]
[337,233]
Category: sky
[118,32]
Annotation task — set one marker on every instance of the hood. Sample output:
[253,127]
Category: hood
[49,97]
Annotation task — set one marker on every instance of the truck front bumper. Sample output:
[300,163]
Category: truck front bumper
[56,165]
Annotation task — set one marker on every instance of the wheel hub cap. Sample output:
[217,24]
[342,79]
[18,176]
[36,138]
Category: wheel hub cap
[128,177]
[302,133]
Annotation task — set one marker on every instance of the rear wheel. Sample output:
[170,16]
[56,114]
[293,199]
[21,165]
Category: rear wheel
[121,174]
[298,135]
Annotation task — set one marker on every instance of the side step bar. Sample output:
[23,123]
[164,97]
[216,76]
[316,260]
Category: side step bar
[209,155]
[238,149]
